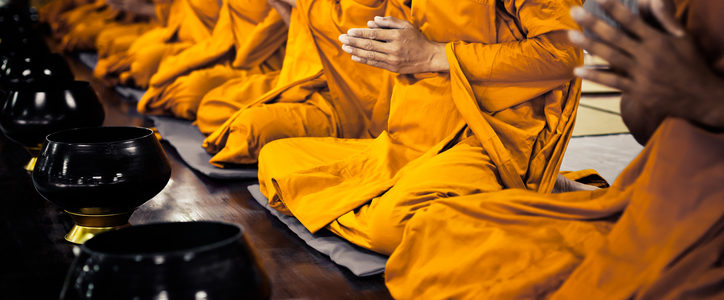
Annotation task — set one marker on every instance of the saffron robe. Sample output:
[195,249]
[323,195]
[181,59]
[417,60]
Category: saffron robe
[518,244]
[118,39]
[51,11]
[323,95]
[250,29]
[188,22]
[500,119]
[655,234]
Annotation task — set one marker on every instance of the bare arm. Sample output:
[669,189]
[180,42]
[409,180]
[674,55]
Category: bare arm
[663,73]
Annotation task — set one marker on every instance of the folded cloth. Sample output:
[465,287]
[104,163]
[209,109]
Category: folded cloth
[187,140]
[360,261]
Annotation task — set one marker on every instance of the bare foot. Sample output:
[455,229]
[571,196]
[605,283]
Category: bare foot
[564,185]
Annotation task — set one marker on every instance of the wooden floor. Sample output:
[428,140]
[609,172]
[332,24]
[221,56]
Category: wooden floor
[34,257]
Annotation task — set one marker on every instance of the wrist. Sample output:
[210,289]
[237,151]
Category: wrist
[439,58]
[710,112]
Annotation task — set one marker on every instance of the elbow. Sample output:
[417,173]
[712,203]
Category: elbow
[564,56]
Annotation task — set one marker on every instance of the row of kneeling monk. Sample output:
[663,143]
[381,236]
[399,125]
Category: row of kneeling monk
[433,131]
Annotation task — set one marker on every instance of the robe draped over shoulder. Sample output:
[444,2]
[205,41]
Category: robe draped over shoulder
[246,40]
[499,119]
[188,22]
[325,94]
[657,233]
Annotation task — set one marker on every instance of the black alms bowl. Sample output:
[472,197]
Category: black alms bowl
[101,170]
[32,112]
[191,260]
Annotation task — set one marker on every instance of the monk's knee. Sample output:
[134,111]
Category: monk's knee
[395,209]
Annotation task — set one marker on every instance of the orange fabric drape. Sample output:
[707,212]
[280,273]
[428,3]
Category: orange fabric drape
[500,119]
[251,27]
[520,245]
[188,22]
[319,91]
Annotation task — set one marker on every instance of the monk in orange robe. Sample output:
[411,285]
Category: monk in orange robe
[319,91]
[78,29]
[188,22]
[115,39]
[655,234]
[485,100]
[251,30]
[51,11]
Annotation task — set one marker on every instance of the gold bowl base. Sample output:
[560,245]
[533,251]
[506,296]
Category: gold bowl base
[87,226]
[34,152]
[30,166]
[80,234]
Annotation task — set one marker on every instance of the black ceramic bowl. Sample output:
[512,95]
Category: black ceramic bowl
[32,112]
[20,71]
[192,260]
[99,175]
[101,170]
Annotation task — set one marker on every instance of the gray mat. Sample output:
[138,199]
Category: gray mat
[130,93]
[360,261]
[187,139]
[607,154]
[89,59]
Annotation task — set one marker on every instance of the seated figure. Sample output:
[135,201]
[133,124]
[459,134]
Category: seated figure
[655,234]
[483,99]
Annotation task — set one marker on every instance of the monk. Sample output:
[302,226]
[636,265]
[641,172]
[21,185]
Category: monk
[51,11]
[116,39]
[319,91]
[247,40]
[79,28]
[188,22]
[485,100]
[655,234]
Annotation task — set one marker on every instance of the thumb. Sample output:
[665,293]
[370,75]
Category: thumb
[391,22]
[664,13]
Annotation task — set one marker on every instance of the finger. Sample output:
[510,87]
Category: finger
[665,15]
[366,44]
[617,58]
[292,3]
[603,30]
[613,80]
[372,24]
[626,19]
[374,34]
[370,55]
[375,63]
[392,22]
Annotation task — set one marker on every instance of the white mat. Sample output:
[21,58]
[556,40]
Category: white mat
[607,154]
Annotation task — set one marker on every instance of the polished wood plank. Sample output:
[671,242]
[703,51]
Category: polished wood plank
[35,257]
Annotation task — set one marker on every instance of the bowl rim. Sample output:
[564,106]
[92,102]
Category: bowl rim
[149,132]
[174,253]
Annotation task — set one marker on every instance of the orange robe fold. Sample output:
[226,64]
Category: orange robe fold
[319,91]
[499,119]
[250,29]
[520,245]
[188,22]
[657,233]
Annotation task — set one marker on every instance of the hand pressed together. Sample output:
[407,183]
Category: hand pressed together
[395,45]
[662,71]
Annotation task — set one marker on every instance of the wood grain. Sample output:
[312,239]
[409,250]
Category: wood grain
[34,256]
